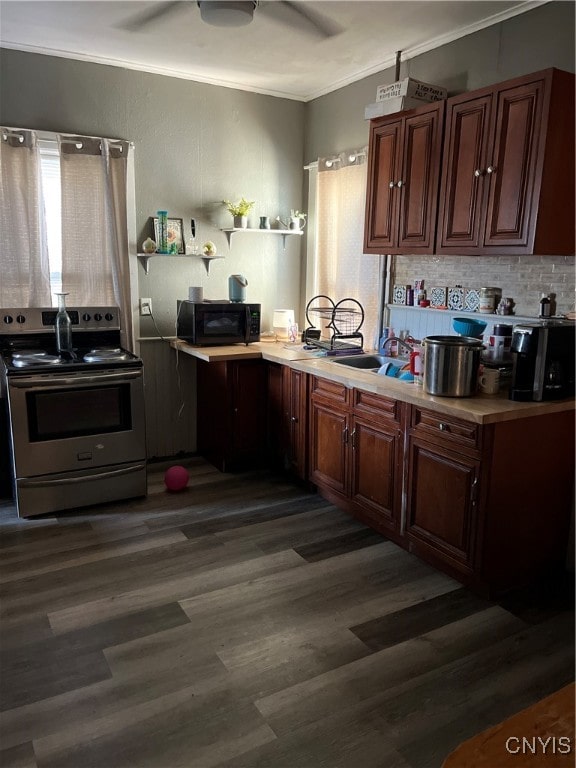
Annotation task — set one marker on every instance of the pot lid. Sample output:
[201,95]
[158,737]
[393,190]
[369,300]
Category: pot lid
[453,341]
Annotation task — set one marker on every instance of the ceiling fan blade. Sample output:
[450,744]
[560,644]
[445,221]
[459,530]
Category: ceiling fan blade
[315,21]
[157,11]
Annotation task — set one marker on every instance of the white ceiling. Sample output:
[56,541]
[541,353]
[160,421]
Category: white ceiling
[268,56]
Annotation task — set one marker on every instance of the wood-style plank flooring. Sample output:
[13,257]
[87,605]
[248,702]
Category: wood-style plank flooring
[247,623]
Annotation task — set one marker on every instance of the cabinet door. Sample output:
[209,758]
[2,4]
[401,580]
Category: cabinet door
[463,191]
[248,437]
[329,438]
[384,173]
[441,504]
[375,471]
[511,207]
[276,436]
[417,188]
[295,399]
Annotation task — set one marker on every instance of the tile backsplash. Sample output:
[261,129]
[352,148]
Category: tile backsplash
[524,278]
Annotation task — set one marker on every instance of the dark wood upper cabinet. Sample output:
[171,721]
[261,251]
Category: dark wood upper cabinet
[508,170]
[403,176]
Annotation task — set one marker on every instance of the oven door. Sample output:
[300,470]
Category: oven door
[68,422]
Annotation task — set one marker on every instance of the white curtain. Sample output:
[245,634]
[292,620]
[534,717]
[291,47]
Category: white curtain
[95,264]
[24,268]
[341,269]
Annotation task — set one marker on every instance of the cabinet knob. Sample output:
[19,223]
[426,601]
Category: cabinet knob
[293,419]
[444,427]
[490,169]
[400,184]
[478,172]
[392,185]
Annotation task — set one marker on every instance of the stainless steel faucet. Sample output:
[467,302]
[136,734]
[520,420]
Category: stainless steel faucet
[399,342]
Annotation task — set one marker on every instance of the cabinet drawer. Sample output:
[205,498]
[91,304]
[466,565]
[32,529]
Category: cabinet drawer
[331,389]
[376,406]
[450,429]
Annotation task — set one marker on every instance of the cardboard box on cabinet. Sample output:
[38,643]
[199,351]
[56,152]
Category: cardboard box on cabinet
[413,89]
[390,106]
[401,95]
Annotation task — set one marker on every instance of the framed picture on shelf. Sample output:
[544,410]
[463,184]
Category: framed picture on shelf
[175,234]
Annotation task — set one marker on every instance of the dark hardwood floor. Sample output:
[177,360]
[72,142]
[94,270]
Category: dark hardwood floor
[247,622]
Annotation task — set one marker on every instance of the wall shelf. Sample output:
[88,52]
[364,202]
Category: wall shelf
[144,258]
[246,230]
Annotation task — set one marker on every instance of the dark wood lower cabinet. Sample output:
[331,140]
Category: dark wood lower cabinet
[355,454]
[441,504]
[231,408]
[287,436]
[488,504]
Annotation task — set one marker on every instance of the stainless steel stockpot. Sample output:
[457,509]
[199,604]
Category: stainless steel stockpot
[451,365]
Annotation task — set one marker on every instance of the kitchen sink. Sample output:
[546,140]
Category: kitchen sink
[381,364]
[368,362]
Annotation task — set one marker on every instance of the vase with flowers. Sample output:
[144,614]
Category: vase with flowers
[240,211]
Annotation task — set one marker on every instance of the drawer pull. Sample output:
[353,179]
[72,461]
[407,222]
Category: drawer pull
[444,427]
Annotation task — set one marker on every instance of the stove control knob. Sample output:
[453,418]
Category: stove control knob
[8,319]
[20,319]
[85,317]
[109,316]
[97,317]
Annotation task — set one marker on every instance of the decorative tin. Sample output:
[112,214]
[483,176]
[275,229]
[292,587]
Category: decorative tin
[437,296]
[456,298]
[399,295]
[471,299]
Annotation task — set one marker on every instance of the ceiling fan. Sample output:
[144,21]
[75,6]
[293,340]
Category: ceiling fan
[238,13]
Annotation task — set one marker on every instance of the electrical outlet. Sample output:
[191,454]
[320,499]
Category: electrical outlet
[145,306]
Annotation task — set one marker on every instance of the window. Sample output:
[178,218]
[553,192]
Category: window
[65,202]
[338,267]
[52,194]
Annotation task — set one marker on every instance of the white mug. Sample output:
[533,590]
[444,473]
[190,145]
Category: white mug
[489,381]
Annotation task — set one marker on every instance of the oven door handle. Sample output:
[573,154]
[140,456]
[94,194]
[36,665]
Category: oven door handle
[26,483]
[58,381]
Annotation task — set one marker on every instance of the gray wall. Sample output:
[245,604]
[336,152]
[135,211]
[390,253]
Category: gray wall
[195,144]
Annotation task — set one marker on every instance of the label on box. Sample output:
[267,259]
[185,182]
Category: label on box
[411,88]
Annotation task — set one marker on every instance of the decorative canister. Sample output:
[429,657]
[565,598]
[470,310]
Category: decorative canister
[488,300]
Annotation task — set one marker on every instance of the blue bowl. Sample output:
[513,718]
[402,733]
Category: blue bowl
[465,326]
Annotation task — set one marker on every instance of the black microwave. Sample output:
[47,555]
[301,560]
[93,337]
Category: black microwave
[207,323]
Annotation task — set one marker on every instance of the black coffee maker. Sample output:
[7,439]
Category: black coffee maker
[543,360]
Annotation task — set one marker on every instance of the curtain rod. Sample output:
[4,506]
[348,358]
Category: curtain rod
[350,156]
[52,136]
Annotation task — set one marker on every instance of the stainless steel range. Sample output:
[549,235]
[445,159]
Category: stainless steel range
[77,425]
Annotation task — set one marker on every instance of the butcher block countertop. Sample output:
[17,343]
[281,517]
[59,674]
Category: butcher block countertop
[481,409]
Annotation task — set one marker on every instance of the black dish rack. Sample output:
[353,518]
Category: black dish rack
[342,321]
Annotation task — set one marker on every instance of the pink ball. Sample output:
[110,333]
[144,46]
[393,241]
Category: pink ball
[176,478]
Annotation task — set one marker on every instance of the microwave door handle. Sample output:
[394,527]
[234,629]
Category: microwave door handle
[247,332]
